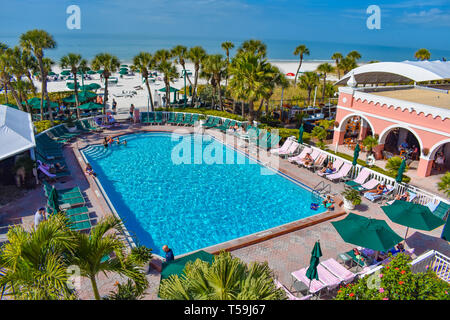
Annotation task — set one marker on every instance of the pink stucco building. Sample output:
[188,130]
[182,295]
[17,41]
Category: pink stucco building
[417,115]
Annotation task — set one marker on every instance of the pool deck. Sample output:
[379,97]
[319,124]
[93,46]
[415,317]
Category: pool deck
[286,248]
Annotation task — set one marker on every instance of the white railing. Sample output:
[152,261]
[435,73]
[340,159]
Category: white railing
[423,197]
[435,260]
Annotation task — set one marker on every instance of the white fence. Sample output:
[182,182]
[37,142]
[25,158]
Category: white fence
[423,197]
[435,261]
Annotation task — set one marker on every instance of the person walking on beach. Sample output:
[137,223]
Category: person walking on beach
[114,106]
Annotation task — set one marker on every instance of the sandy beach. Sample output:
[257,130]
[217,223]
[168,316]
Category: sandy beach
[140,100]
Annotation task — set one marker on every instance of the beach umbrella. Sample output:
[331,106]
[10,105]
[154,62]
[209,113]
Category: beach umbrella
[90,72]
[90,106]
[51,73]
[123,71]
[171,89]
[124,66]
[65,72]
[316,253]
[366,232]
[35,103]
[402,168]
[53,200]
[94,86]
[300,134]
[99,71]
[356,154]
[412,215]
[82,97]
[290,74]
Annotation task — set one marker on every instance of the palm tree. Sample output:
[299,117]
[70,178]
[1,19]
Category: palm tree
[337,57]
[255,47]
[36,41]
[180,53]
[34,262]
[251,75]
[324,69]
[215,65]
[226,278]
[170,74]
[422,54]
[444,184]
[301,50]
[7,69]
[355,55]
[91,249]
[196,55]
[75,63]
[23,88]
[144,62]
[227,46]
[347,64]
[308,81]
[109,64]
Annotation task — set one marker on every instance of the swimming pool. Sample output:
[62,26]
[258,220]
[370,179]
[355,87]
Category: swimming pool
[192,198]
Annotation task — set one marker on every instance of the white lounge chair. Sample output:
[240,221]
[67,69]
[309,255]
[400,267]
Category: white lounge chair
[318,162]
[336,165]
[369,185]
[291,150]
[300,156]
[360,179]
[374,197]
[314,155]
[345,275]
[283,148]
[343,172]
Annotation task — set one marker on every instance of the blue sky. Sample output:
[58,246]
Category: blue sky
[404,23]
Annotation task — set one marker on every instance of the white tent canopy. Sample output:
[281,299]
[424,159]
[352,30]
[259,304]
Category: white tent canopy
[16,132]
[399,72]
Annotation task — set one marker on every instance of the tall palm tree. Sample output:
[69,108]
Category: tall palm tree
[180,53]
[109,63]
[144,62]
[3,48]
[216,66]
[422,54]
[337,57]
[103,240]
[34,263]
[7,63]
[196,55]
[23,88]
[227,46]
[346,64]
[226,278]
[300,51]
[324,69]
[36,41]
[255,47]
[250,75]
[355,55]
[308,81]
[170,74]
[74,62]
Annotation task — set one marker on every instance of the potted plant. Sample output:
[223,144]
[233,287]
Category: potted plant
[352,198]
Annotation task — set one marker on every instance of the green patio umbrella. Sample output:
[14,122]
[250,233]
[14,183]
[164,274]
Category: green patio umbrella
[123,72]
[90,106]
[356,154]
[90,72]
[412,215]
[124,66]
[402,168]
[70,85]
[51,73]
[65,72]
[53,200]
[300,134]
[316,253]
[366,232]
[82,97]
[94,86]
[171,89]
[35,103]
[99,71]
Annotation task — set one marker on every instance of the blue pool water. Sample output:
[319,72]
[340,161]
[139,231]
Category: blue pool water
[191,201]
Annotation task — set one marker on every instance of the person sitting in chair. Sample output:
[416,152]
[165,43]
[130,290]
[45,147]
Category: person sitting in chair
[308,160]
[403,197]
[378,190]
[328,168]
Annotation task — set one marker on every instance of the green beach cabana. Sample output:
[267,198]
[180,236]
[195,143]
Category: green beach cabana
[171,89]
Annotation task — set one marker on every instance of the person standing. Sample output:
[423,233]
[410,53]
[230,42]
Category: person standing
[39,216]
[169,253]
[131,110]
[114,106]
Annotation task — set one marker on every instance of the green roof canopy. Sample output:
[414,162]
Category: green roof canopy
[176,266]
[172,89]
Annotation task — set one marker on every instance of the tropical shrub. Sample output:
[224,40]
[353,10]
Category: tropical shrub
[393,164]
[444,184]
[226,278]
[141,255]
[395,281]
[44,125]
[369,143]
[126,291]
[352,195]
[270,121]
[320,134]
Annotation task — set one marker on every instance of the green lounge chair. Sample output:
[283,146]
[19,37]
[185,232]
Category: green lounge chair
[194,119]
[80,128]
[72,202]
[171,118]
[208,121]
[88,126]
[62,132]
[225,125]
[213,124]
[231,124]
[67,132]
[187,119]
[158,117]
[78,217]
[442,210]
[49,154]
[80,226]
[77,210]
[179,118]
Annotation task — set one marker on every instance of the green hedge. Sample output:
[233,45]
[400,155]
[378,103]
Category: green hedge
[206,112]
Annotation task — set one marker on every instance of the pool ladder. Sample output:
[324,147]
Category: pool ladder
[320,190]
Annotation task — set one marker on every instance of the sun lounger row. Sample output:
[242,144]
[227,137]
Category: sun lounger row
[72,203]
[288,149]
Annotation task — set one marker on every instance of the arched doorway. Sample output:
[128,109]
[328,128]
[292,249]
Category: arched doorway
[400,141]
[355,128]
[440,154]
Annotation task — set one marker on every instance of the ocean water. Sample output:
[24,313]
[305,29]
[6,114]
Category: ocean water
[192,205]
[125,46]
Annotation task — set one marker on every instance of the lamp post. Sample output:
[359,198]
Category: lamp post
[184,74]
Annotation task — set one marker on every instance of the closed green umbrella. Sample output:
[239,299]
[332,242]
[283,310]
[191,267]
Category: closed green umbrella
[402,168]
[300,134]
[412,215]
[356,154]
[366,232]
[316,253]
[53,200]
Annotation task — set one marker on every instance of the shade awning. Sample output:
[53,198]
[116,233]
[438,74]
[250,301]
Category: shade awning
[16,132]
[399,72]
[172,89]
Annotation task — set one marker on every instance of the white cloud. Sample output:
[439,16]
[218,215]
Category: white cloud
[433,16]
